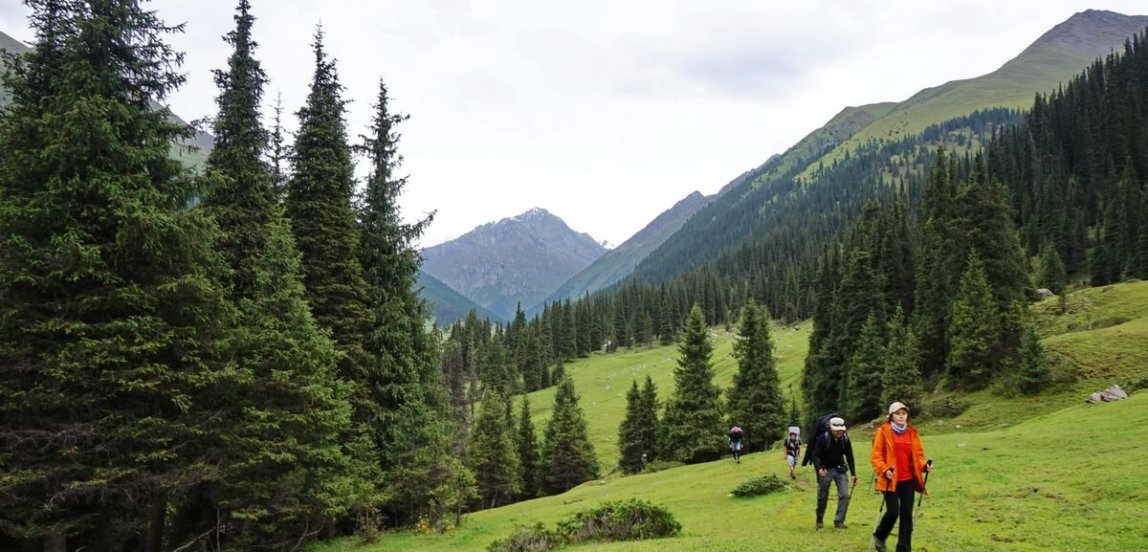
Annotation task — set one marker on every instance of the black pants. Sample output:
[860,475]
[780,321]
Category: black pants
[898,503]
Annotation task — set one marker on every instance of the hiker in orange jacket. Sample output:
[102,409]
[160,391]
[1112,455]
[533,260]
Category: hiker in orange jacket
[899,461]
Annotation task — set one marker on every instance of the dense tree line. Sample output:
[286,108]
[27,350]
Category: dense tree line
[1075,170]
[228,360]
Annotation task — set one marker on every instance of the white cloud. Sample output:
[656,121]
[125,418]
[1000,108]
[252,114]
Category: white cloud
[604,113]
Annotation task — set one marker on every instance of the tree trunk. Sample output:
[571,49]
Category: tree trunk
[156,522]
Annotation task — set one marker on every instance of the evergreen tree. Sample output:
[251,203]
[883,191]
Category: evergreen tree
[693,426]
[323,222]
[822,374]
[1142,242]
[112,349]
[1051,275]
[794,411]
[290,400]
[939,266]
[410,432]
[492,457]
[754,400]
[865,371]
[528,456]
[242,202]
[630,433]
[279,153]
[567,456]
[974,330]
[648,420]
[901,380]
[1033,373]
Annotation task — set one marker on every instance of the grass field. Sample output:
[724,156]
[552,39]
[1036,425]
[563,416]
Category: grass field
[1035,473]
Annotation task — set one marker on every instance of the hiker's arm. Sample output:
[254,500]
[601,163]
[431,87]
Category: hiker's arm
[877,456]
[849,458]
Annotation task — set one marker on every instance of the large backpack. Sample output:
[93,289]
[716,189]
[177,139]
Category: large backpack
[821,427]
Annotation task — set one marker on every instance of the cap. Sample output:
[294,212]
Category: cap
[897,406]
[836,423]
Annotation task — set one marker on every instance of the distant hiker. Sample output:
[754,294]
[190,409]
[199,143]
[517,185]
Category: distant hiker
[899,462]
[792,451]
[833,458]
[735,435]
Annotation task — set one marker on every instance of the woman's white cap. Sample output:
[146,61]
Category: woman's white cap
[897,406]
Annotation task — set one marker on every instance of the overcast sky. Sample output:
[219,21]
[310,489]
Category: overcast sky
[603,112]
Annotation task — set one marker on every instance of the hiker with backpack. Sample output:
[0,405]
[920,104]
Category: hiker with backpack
[833,458]
[792,450]
[899,462]
[735,437]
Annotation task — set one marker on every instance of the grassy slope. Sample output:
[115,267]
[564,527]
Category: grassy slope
[1053,60]
[1043,473]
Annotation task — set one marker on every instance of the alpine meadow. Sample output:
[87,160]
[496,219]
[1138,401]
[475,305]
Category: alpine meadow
[222,336]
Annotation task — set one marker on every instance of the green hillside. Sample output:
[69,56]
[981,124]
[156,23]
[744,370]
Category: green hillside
[1054,59]
[997,486]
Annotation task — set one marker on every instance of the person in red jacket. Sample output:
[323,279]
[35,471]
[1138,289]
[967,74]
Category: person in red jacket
[899,461]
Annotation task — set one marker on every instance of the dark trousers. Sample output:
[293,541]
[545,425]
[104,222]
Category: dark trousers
[898,503]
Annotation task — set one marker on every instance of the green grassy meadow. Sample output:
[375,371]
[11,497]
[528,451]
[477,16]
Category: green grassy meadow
[1031,473]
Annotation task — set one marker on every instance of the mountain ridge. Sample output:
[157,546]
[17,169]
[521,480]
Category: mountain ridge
[619,262]
[515,261]
[1058,56]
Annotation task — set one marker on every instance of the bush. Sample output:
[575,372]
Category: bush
[534,538]
[759,486]
[1135,384]
[619,521]
[945,406]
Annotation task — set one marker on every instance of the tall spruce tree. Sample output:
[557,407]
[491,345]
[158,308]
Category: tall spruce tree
[526,443]
[822,374]
[1033,372]
[648,416]
[901,380]
[754,400]
[323,222]
[411,433]
[692,423]
[865,371]
[938,267]
[111,312]
[568,458]
[1051,274]
[290,400]
[491,455]
[631,454]
[974,331]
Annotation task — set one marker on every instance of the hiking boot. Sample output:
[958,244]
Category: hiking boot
[820,524]
[879,544]
[840,525]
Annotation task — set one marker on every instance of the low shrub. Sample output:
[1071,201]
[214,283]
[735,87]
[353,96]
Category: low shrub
[759,486]
[944,406]
[533,538]
[620,521]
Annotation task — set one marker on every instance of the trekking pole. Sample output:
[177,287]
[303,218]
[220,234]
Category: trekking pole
[922,497]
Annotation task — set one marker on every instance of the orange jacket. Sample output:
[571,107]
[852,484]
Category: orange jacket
[884,456]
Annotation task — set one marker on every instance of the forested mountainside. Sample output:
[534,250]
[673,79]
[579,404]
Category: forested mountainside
[619,262]
[887,235]
[1045,64]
